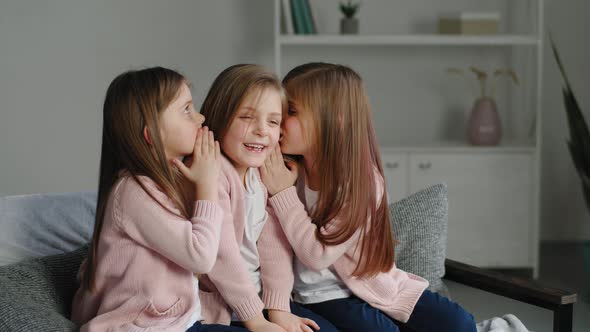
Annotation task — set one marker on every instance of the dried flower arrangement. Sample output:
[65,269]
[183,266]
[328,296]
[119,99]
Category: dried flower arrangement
[482,78]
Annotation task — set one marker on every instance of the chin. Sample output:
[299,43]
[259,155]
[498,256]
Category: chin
[254,163]
[257,163]
[285,148]
[288,151]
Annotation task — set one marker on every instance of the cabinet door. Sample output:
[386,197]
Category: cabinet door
[490,204]
[395,168]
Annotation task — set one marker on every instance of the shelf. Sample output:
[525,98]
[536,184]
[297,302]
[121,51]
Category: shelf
[460,147]
[426,40]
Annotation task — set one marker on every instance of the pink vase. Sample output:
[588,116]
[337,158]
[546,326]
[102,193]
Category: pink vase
[484,123]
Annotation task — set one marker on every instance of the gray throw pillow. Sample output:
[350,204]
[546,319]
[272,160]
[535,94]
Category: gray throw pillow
[39,225]
[36,294]
[420,227]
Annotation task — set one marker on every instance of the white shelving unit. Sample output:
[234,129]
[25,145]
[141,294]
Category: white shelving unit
[514,241]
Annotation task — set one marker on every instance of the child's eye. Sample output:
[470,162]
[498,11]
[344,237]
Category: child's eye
[245,117]
[291,111]
[275,122]
[187,109]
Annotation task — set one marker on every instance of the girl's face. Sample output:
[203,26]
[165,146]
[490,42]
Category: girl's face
[179,124]
[254,130]
[295,140]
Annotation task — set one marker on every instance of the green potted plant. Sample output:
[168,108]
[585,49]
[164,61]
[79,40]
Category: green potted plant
[349,24]
[484,122]
[578,144]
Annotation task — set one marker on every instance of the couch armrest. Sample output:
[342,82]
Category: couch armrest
[524,290]
[516,288]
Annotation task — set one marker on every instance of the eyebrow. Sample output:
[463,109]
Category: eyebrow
[253,109]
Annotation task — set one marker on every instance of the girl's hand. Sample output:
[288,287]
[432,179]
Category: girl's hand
[292,323]
[203,166]
[260,324]
[275,175]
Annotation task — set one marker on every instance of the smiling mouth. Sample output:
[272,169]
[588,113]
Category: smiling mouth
[255,147]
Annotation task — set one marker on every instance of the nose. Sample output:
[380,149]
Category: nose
[261,128]
[261,131]
[199,118]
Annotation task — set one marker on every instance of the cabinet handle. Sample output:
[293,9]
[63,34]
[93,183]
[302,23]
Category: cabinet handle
[424,166]
[391,165]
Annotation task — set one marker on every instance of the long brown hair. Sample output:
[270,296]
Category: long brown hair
[229,90]
[134,101]
[333,97]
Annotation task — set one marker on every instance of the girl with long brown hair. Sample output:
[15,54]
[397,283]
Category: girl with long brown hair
[158,221]
[253,271]
[336,216]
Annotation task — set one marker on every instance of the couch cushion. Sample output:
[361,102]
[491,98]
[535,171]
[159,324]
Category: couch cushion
[36,294]
[420,227]
[44,224]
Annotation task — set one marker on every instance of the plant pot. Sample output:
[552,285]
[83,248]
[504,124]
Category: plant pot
[349,26]
[484,123]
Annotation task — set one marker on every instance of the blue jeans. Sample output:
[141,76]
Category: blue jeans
[301,311]
[198,327]
[432,313]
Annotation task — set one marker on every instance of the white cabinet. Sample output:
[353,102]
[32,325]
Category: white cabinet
[490,201]
[395,168]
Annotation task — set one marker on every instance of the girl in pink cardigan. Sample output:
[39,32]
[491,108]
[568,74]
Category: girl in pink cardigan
[253,270]
[336,217]
[158,221]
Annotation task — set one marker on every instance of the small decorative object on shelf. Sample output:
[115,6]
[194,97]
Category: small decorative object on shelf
[469,23]
[297,17]
[484,123]
[349,25]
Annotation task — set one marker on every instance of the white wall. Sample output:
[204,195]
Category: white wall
[57,58]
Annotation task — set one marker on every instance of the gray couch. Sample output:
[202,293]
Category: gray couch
[43,240]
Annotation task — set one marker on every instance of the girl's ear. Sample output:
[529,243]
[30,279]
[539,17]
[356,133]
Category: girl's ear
[146,135]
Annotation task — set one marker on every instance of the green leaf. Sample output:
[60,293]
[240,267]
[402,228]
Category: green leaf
[579,163]
[579,134]
[586,190]
[579,142]
[349,8]
[559,63]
